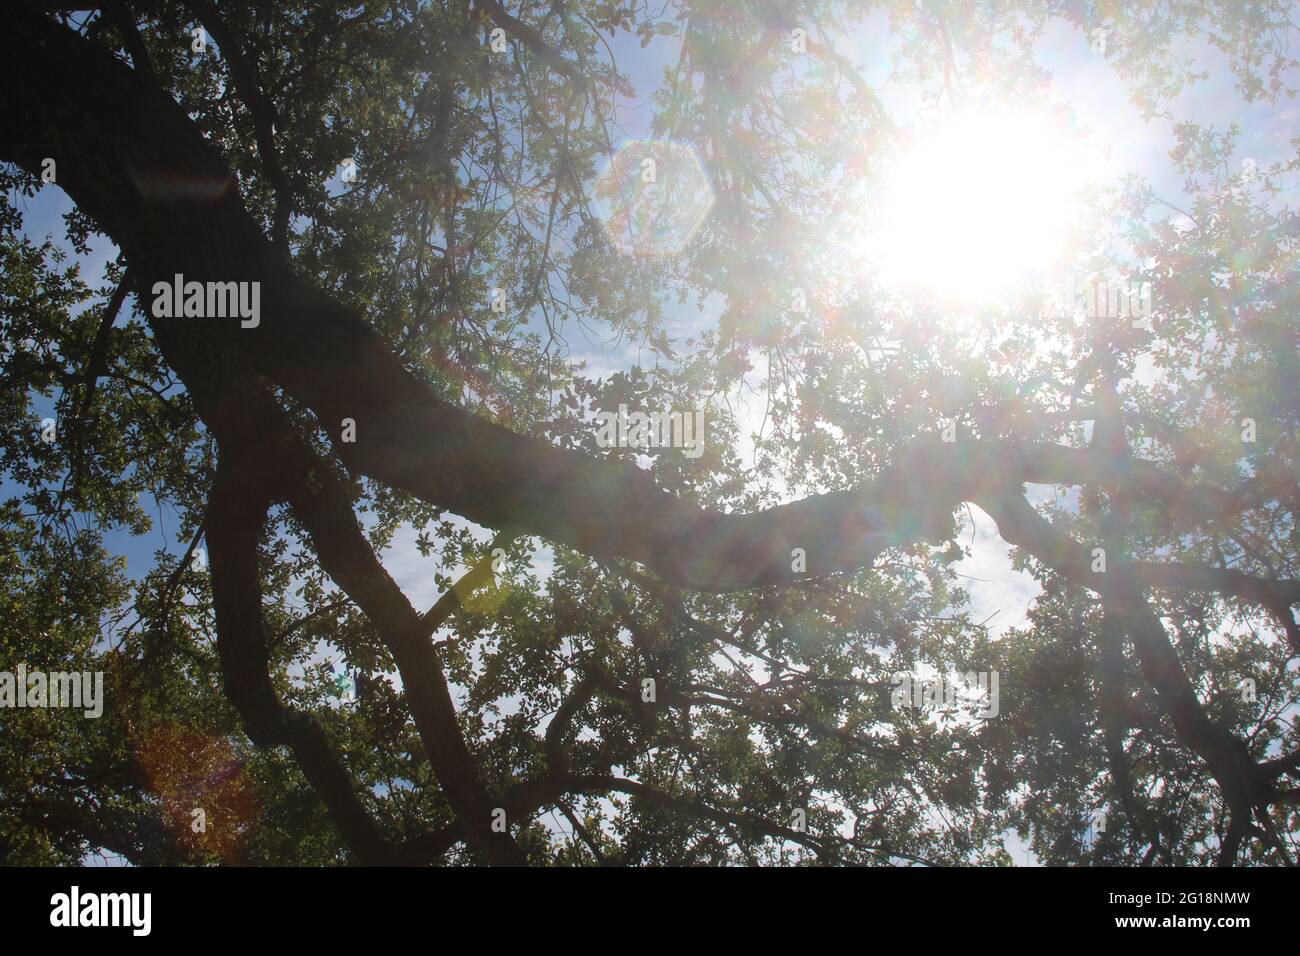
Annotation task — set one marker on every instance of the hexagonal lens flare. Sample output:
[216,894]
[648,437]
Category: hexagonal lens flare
[652,197]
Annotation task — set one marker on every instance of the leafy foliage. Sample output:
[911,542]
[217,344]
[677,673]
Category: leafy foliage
[473,173]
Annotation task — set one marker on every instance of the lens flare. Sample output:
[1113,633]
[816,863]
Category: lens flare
[652,197]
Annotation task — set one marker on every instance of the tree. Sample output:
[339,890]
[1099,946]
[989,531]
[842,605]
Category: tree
[705,674]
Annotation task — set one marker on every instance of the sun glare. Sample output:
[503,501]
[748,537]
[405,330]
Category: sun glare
[979,204]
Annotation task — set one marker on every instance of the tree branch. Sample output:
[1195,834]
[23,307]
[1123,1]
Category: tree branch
[248,85]
[532,39]
[237,510]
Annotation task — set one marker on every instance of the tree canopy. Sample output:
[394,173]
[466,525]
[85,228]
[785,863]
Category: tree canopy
[637,655]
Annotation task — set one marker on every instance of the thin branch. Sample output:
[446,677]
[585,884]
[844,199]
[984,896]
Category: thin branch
[244,75]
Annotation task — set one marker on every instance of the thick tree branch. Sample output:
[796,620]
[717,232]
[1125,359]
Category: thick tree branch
[347,557]
[246,417]
[238,508]
[1276,596]
[118,134]
[1109,439]
[1243,783]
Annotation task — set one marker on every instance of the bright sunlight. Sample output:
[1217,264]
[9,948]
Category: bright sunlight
[980,203]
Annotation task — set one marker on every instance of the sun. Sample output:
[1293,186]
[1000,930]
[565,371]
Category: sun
[982,202]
